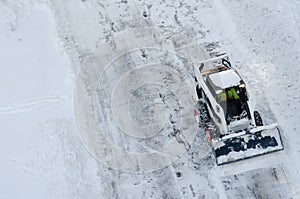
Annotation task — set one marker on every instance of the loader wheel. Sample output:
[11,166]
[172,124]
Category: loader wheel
[199,92]
[257,119]
[204,117]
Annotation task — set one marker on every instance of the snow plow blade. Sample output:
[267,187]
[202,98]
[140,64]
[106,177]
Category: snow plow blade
[238,146]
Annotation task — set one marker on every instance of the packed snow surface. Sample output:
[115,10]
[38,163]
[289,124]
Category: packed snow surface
[97,97]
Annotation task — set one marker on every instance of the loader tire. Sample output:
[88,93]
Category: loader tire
[257,119]
[204,117]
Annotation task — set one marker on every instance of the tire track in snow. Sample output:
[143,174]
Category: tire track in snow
[31,104]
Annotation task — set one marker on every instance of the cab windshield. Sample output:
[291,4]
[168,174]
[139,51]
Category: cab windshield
[233,101]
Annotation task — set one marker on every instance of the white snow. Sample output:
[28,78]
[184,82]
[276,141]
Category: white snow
[42,46]
[34,84]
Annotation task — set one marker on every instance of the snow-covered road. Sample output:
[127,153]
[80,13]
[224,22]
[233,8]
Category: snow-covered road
[52,148]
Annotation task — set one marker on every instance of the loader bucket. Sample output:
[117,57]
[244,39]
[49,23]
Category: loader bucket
[258,141]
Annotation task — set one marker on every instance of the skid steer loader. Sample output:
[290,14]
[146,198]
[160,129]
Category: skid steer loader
[233,129]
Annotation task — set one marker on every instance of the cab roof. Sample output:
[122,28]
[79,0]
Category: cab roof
[225,79]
